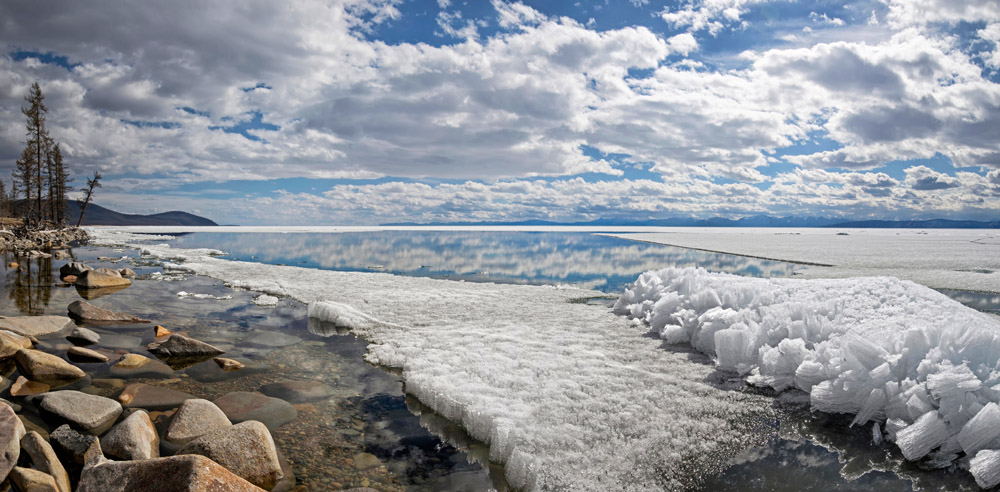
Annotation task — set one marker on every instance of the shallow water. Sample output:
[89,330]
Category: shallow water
[370,412]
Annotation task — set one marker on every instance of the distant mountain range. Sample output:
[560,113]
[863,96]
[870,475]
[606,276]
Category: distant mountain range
[754,221]
[98,215]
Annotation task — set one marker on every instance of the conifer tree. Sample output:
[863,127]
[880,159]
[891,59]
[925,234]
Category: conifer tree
[38,141]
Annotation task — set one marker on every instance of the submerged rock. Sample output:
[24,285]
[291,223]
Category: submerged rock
[87,413]
[36,326]
[46,368]
[134,438]
[299,391]
[270,339]
[83,336]
[182,347]
[140,366]
[44,458]
[245,449]
[80,354]
[24,387]
[195,418]
[85,311]
[188,473]
[241,406]
[228,365]
[139,395]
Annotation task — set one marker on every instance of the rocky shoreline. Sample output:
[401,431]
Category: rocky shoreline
[35,242]
[147,437]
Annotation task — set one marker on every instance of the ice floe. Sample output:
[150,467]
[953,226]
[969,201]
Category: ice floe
[879,348]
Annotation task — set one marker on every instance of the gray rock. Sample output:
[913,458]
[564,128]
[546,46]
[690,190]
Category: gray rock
[181,347]
[299,391]
[126,273]
[241,406]
[28,480]
[270,339]
[150,397]
[44,459]
[46,368]
[36,326]
[186,473]
[73,268]
[245,449]
[80,354]
[195,418]
[11,432]
[83,336]
[72,447]
[134,438]
[85,311]
[87,413]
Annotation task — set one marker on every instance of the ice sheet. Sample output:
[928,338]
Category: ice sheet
[964,259]
[568,395]
[879,348]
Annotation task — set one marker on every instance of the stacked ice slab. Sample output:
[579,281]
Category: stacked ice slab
[919,365]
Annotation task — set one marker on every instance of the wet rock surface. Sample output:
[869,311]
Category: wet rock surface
[85,311]
[299,391]
[46,368]
[240,406]
[86,413]
[36,326]
[151,397]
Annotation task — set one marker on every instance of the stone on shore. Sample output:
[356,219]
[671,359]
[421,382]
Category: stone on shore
[182,347]
[25,387]
[85,311]
[80,354]
[46,368]
[83,336]
[299,391]
[126,273]
[241,406]
[195,418]
[11,432]
[104,277]
[36,326]
[245,449]
[134,438]
[86,413]
[44,459]
[28,480]
[73,268]
[187,473]
[140,366]
[74,448]
[160,332]
[139,395]
[11,342]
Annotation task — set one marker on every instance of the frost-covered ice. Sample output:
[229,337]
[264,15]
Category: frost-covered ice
[265,300]
[965,259]
[183,294]
[568,395]
[879,348]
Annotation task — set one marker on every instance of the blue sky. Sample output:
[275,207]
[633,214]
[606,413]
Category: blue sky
[372,111]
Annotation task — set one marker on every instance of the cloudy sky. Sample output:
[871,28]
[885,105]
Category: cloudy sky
[373,111]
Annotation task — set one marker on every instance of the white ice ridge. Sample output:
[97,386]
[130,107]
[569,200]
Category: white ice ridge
[879,348]
[568,395]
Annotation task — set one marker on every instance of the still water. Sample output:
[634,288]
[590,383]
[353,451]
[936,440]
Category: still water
[369,411]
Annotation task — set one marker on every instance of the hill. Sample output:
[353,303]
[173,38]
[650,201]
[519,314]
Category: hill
[98,215]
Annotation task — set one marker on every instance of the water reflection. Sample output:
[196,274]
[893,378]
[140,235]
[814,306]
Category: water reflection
[598,262]
[30,284]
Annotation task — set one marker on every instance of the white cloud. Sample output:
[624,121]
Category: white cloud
[903,13]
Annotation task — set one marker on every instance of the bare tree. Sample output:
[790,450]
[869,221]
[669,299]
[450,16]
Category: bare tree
[92,183]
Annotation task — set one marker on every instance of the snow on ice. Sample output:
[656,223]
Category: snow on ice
[882,349]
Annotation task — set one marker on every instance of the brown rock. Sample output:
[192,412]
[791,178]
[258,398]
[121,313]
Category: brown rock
[46,368]
[11,432]
[228,365]
[28,480]
[24,387]
[91,279]
[134,438]
[186,473]
[36,326]
[241,406]
[132,361]
[11,342]
[159,331]
[245,449]
[73,268]
[69,279]
[139,366]
[126,273]
[150,397]
[85,311]
[195,418]
[44,459]
[80,354]
[13,264]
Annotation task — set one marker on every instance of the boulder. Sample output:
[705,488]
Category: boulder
[195,418]
[83,336]
[241,406]
[126,273]
[150,397]
[61,254]
[86,413]
[11,342]
[44,459]
[182,347]
[74,448]
[73,268]
[134,438]
[186,473]
[36,326]
[299,391]
[96,279]
[11,432]
[24,387]
[46,368]
[140,366]
[80,354]
[85,311]
[28,480]
[245,449]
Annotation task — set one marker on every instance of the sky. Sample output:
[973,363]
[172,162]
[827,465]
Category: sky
[374,111]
